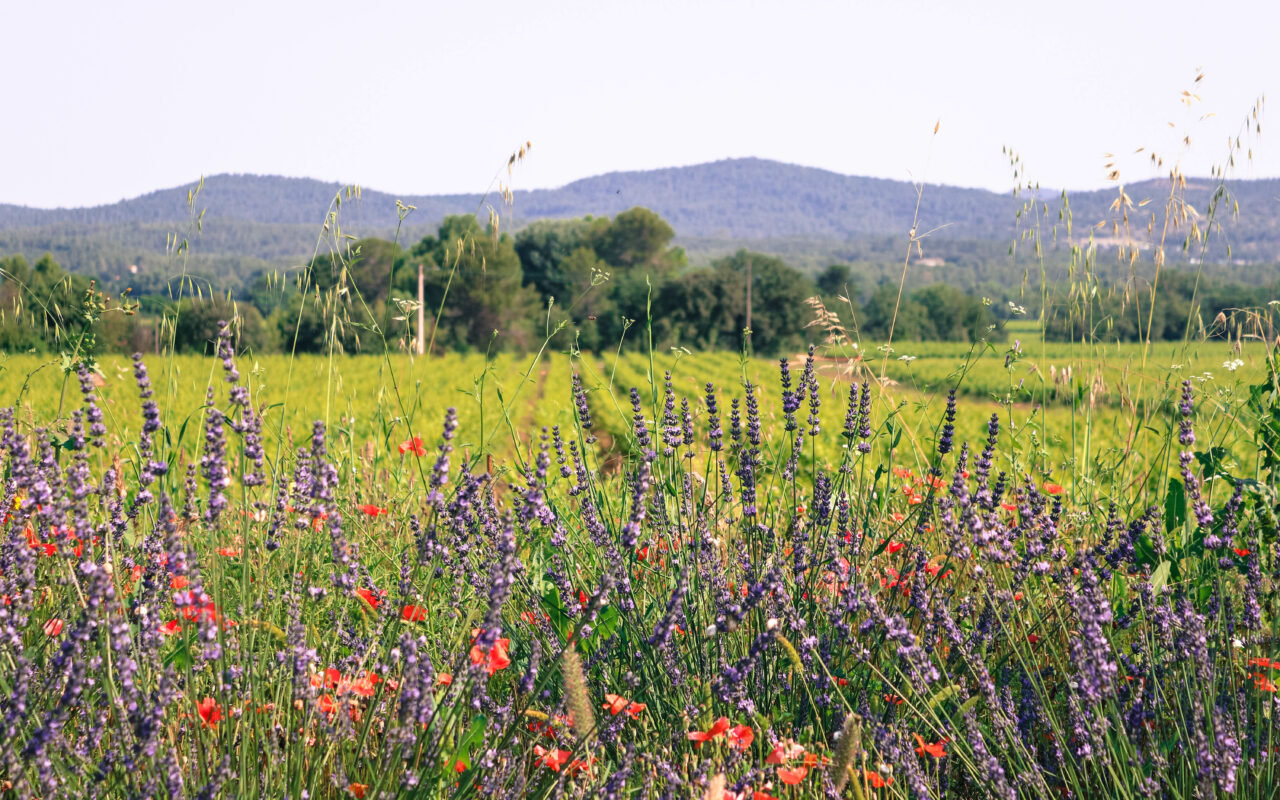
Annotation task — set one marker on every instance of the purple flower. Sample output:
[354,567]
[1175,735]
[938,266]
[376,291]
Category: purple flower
[715,434]
[1185,407]
[949,426]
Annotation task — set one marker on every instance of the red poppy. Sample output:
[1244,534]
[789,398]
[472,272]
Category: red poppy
[1053,488]
[897,516]
[369,597]
[875,780]
[741,737]
[357,789]
[414,446]
[579,765]
[372,510]
[895,547]
[1241,551]
[934,569]
[170,628]
[460,767]
[717,729]
[365,687]
[229,552]
[327,704]
[330,677]
[554,759]
[784,751]
[53,627]
[1031,637]
[210,712]
[444,679]
[197,608]
[616,704]
[1264,662]
[791,777]
[497,657]
[413,614]
[934,749]
[1009,506]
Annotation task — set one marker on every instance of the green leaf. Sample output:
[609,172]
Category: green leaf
[606,624]
[1213,462]
[1175,507]
[473,737]
[942,696]
[555,610]
[1160,577]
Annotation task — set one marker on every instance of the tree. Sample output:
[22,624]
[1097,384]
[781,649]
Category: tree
[910,323]
[637,238]
[195,325]
[41,303]
[544,247]
[367,267]
[481,285]
[708,307]
[837,280]
[953,314]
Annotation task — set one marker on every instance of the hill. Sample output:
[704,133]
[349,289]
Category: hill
[810,215]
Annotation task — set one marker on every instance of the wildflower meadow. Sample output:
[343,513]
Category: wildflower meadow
[780,583]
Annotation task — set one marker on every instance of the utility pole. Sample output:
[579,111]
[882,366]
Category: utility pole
[422,314]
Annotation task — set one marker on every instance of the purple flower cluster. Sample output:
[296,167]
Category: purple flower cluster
[966,634]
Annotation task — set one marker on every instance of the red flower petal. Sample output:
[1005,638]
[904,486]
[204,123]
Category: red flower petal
[791,777]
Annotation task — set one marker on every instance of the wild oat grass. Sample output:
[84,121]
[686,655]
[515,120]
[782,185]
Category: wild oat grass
[869,570]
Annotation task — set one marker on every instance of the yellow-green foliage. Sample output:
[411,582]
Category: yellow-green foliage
[1108,417]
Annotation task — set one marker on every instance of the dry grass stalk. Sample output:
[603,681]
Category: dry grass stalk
[715,789]
[849,749]
[576,696]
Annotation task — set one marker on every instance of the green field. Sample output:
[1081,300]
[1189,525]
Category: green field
[364,622]
[1107,420]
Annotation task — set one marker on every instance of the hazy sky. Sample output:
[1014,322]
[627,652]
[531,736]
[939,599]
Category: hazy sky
[110,100]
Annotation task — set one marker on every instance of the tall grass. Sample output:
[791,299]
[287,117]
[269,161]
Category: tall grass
[644,575]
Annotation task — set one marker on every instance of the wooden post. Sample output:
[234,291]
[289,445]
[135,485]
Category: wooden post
[422,314]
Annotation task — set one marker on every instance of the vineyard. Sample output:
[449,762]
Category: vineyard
[1082,411]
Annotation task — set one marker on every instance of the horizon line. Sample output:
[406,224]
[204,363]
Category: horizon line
[363,187]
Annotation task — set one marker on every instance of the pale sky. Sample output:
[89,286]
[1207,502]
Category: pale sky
[105,101]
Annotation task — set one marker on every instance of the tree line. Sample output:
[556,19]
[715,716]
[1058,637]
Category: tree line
[595,283]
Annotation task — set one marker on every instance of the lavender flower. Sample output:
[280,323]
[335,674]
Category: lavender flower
[949,426]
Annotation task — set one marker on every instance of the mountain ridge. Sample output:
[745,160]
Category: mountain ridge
[746,202]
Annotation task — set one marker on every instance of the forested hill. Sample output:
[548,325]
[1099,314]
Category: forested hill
[740,198]
[736,198]
[809,215]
